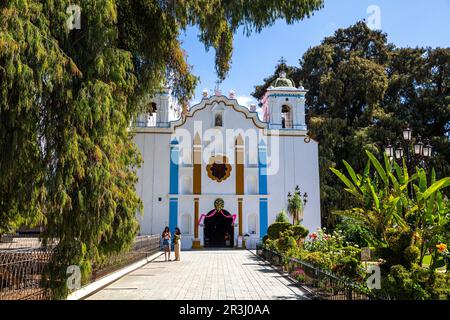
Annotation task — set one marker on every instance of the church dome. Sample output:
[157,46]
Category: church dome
[282,81]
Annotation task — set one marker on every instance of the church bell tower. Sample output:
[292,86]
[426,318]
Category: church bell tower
[160,111]
[284,105]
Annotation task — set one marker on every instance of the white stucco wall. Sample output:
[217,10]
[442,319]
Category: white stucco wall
[297,165]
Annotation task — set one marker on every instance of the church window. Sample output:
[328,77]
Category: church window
[286,117]
[218,120]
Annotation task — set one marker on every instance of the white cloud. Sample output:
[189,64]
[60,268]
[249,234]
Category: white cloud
[246,101]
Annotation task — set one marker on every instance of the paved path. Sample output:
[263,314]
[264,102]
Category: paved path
[203,275]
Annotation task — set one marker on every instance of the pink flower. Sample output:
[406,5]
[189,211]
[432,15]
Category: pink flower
[313,236]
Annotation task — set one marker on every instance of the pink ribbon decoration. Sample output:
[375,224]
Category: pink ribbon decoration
[203,216]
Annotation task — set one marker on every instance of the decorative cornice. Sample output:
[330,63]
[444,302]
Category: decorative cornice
[233,103]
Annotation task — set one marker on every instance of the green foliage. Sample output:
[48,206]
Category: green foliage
[362,91]
[384,202]
[321,241]
[68,160]
[415,284]
[282,217]
[271,244]
[440,287]
[354,232]
[286,241]
[275,229]
[349,267]
[298,274]
[399,249]
[319,259]
[295,207]
[403,284]
[299,231]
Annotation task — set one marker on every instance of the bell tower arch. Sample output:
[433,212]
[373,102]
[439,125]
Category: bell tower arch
[284,105]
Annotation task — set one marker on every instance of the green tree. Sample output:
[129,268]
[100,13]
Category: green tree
[362,91]
[400,223]
[282,217]
[67,98]
[295,207]
[419,94]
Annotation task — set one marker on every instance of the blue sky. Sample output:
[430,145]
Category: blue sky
[407,22]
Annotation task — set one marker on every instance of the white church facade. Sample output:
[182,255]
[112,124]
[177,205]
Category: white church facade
[220,173]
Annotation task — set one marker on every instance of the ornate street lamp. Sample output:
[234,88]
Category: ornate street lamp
[389,150]
[413,151]
[294,207]
[407,134]
[399,152]
[418,146]
[426,150]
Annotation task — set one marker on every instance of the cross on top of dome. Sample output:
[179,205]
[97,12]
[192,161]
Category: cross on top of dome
[282,80]
[282,61]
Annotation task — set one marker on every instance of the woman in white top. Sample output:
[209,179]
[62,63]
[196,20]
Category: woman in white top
[177,243]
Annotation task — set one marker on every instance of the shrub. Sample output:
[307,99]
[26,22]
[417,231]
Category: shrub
[441,286]
[351,251]
[349,267]
[354,232]
[271,244]
[403,284]
[319,259]
[399,250]
[321,241]
[276,228]
[415,284]
[286,241]
[282,217]
[300,232]
[264,239]
[299,275]
[410,255]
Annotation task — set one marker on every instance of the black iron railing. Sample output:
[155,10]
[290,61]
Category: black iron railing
[320,283]
[21,273]
[144,246]
[22,268]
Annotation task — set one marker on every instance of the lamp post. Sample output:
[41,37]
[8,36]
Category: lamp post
[291,204]
[414,151]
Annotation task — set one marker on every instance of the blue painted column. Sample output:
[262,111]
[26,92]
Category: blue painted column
[173,214]
[173,184]
[262,167]
[263,217]
[262,178]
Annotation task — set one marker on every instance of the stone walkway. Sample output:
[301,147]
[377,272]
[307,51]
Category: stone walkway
[203,275]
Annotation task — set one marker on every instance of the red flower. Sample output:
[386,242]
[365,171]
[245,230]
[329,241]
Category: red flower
[313,235]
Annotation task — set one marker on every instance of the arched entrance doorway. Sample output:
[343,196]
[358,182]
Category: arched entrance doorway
[218,230]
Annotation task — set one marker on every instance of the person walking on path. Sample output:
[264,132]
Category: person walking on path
[166,242]
[177,242]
